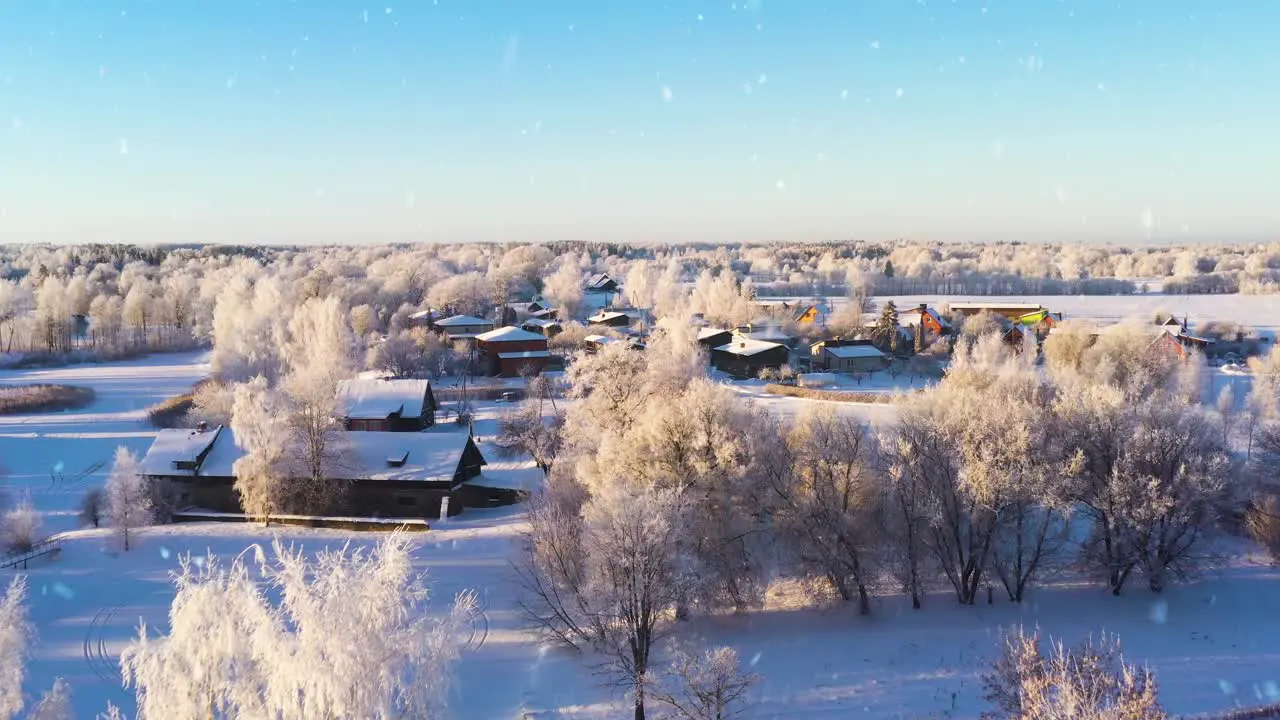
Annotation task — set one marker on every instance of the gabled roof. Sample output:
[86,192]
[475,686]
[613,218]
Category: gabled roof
[854,351]
[768,333]
[748,347]
[598,339]
[174,448]
[709,332]
[463,321]
[422,457]
[606,315]
[537,322]
[375,399]
[599,280]
[509,333]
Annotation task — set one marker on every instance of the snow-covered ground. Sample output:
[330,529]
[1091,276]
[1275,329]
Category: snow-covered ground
[56,457]
[1213,643]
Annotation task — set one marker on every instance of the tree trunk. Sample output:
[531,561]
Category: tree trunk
[864,602]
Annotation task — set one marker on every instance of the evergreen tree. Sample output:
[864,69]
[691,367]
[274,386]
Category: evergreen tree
[888,268]
[887,326]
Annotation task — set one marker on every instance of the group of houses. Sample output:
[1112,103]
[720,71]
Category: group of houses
[392,459]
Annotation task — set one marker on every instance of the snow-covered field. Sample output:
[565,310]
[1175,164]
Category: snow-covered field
[1212,643]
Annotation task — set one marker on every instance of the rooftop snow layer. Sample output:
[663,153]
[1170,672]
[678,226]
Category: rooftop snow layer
[854,351]
[707,332]
[509,333]
[606,316]
[428,456]
[462,321]
[525,354]
[172,447]
[379,399]
[748,347]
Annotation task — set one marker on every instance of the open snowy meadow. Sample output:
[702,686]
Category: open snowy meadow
[1214,644]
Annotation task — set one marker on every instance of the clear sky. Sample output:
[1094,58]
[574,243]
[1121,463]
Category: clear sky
[456,120]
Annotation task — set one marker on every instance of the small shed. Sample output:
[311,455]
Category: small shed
[854,358]
[610,318]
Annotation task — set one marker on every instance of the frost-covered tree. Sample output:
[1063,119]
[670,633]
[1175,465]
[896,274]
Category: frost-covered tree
[128,503]
[259,420]
[527,431]
[708,685]
[1089,682]
[609,576]
[318,452]
[564,290]
[55,705]
[15,636]
[831,511]
[349,636]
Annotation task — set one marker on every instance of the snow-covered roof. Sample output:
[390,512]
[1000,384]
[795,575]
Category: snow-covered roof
[379,399]
[747,347]
[431,456]
[525,354]
[424,314]
[462,321]
[854,351]
[607,315]
[541,323]
[598,339]
[509,333]
[706,332]
[911,317]
[545,312]
[176,452]
[598,281]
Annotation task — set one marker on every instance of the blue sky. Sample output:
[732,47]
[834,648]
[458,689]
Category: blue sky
[457,120]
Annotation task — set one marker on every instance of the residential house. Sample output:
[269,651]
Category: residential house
[511,351]
[810,314]
[1180,342]
[610,318]
[602,283]
[388,475]
[930,318]
[462,329]
[713,337]
[387,405]
[546,313]
[594,343]
[847,355]
[515,313]
[745,357]
[545,328]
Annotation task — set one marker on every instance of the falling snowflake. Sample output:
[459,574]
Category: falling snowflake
[747,88]
[17,123]
[1060,192]
[699,17]
[1159,612]
[124,146]
[1102,87]
[780,185]
[762,79]
[875,44]
[231,82]
[899,93]
[1148,219]
[411,199]
[388,11]
[997,148]
[844,94]
[365,16]
[666,93]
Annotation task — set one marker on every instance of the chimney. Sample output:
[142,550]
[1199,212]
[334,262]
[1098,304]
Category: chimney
[202,426]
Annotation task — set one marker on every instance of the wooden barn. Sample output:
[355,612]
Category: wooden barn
[386,475]
[387,405]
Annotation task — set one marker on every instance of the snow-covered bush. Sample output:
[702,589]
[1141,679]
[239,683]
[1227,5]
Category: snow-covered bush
[349,636]
[1089,682]
[708,685]
[20,527]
